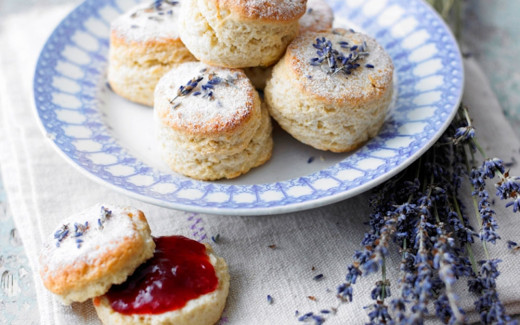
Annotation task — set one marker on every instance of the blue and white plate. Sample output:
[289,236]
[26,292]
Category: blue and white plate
[111,139]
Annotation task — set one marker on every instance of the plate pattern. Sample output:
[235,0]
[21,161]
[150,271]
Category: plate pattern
[69,86]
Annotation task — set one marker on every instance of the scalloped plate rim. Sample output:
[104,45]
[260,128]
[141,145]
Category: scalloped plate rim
[286,208]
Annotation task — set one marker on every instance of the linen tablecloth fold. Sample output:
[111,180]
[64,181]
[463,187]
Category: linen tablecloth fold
[42,189]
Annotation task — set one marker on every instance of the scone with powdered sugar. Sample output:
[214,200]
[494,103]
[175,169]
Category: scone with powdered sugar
[184,283]
[94,249]
[331,90]
[210,123]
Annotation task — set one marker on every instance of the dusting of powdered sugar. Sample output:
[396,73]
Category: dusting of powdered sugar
[152,20]
[199,97]
[281,10]
[87,236]
[318,16]
[375,69]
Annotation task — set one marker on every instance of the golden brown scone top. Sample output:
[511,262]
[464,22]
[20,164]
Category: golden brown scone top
[88,246]
[266,10]
[150,21]
[200,99]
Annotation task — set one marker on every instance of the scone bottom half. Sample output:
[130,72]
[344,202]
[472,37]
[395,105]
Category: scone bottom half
[209,122]
[317,18]
[94,249]
[184,283]
[332,89]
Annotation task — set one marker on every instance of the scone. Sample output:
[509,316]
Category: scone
[210,123]
[318,17]
[185,283]
[94,249]
[331,90]
[144,45]
[239,34]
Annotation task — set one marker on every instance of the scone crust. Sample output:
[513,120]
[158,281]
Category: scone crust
[135,67]
[206,309]
[86,274]
[222,164]
[142,50]
[264,10]
[363,85]
[330,112]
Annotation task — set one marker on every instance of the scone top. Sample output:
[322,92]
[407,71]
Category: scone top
[153,20]
[200,99]
[266,10]
[318,17]
[341,65]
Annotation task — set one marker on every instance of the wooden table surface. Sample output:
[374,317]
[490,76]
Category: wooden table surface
[491,34]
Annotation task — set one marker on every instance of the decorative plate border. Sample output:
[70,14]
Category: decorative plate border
[70,76]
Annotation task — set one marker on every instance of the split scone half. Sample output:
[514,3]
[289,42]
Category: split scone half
[184,283]
[94,249]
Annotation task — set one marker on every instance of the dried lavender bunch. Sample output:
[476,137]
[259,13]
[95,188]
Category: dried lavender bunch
[337,61]
[488,304]
[421,213]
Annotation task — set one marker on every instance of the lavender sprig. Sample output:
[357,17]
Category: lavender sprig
[105,214]
[334,61]
[378,313]
[509,188]
[157,4]
[187,88]
[206,89]
[445,261]
[513,246]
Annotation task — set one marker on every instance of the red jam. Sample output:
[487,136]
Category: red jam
[179,271]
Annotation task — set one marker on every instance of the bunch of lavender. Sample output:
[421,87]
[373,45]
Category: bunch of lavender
[421,212]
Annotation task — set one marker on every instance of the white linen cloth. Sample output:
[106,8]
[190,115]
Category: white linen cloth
[42,189]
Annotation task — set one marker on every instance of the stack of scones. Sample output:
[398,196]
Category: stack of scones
[201,63]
